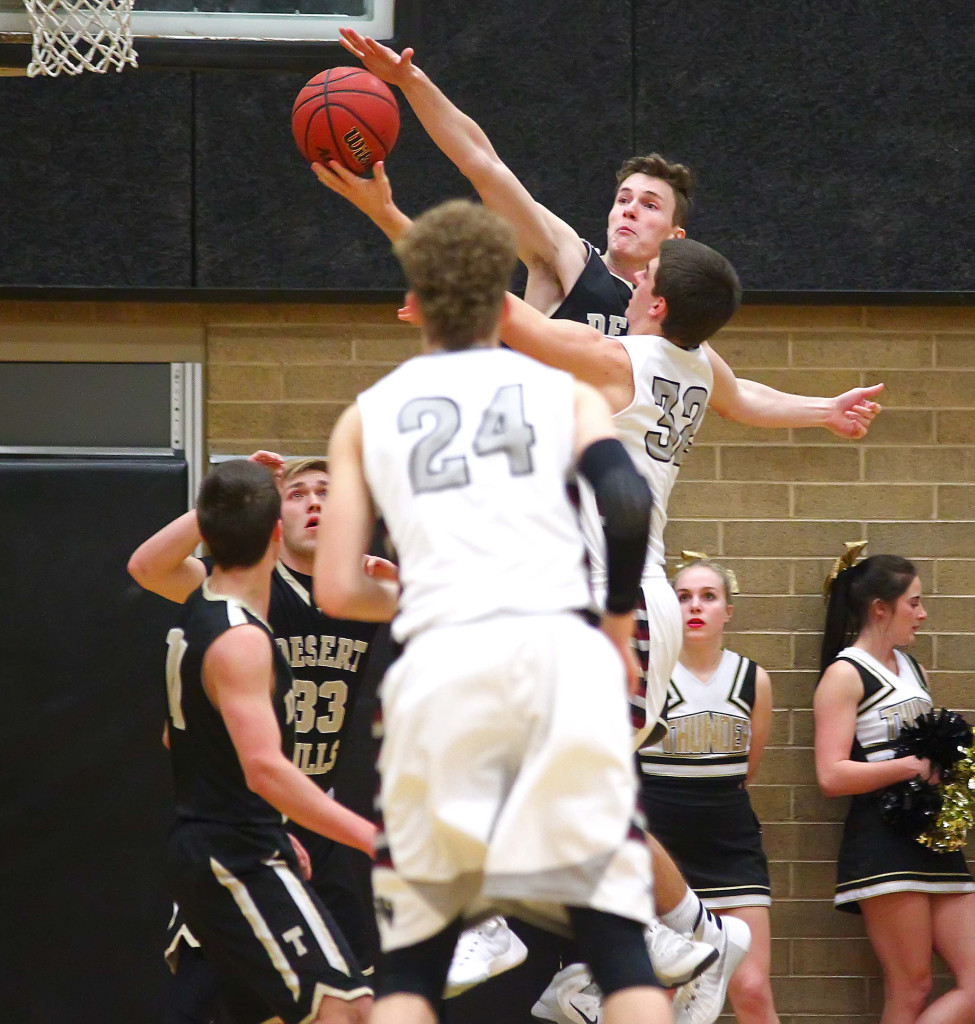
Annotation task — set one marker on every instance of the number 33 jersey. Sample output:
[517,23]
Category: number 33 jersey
[467,455]
[671,389]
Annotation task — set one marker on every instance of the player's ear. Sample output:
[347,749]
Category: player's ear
[678,232]
[505,311]
[658,308]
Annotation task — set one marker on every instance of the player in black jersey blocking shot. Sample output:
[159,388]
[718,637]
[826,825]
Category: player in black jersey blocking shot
[568,278]
[336,663]
[231,715]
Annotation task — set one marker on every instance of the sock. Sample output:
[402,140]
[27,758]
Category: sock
[691,917]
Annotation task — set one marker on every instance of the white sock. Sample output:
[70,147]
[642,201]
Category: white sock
[691,917]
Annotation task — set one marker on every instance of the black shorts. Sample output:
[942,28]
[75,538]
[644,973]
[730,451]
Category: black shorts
[709,828]
[271,943]
[342,877]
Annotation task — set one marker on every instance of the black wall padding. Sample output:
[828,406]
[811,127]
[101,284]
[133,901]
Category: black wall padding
[834,145]
[86,796]
[97,181]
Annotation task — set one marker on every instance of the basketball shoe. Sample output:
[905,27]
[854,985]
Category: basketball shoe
[572,997]
[701,1000]
[676,960]
[482,952]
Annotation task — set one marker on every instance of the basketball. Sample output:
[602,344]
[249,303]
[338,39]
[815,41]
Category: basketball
[347,115]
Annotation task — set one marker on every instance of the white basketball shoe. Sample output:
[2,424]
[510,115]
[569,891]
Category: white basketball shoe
[572,997]
[482,952]
[676,960]
[701,1001]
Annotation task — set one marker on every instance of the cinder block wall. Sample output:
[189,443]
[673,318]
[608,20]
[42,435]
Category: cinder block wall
[775,505]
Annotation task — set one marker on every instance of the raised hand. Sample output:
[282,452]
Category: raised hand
[383,62]
[854,411]
[373,196]
[272,460]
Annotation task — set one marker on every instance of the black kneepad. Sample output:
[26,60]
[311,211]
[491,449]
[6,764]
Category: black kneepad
[614,948]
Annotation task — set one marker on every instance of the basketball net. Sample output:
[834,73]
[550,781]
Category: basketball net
[80,35]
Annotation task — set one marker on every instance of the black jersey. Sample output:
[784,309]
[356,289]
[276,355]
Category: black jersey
[599,298]
[209,780]
[328,658]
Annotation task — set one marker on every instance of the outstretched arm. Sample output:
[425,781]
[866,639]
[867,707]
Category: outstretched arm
[341,584]
[546,244]
[581,350]
[756,405]
[373,196]
[589,356]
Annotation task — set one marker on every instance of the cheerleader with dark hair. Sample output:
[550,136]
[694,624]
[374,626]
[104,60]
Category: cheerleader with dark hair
[913,900]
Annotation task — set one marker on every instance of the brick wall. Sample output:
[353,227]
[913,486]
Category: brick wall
[774,505]
[777,507]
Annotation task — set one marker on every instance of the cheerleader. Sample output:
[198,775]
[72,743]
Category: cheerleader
[913,900]
[719,713]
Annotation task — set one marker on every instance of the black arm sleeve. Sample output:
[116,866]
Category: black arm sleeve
[624,501]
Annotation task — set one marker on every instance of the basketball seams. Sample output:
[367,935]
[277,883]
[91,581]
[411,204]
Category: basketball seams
[360,122]
[365,92]
[340,150]
[347,131]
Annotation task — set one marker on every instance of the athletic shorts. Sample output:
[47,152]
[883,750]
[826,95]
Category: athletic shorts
[273,946]
[507,779]
[341,877]
[659,635]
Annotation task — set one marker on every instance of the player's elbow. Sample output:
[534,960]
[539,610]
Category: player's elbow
[261,773]
[332,597]
[481,166]
[139,570]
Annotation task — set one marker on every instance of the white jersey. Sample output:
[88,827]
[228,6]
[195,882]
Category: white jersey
[709,724]
[890,702]
[467,455]
[671,390]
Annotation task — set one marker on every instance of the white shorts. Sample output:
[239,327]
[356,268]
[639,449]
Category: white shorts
[507,779]
[659,635]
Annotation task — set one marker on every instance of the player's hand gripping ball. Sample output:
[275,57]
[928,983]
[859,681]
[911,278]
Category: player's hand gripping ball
[347,115]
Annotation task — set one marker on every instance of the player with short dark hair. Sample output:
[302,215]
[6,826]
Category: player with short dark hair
[231,712]
[335,664]
[505,776]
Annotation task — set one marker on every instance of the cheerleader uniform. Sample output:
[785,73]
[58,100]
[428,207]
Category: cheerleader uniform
[693,786]
[873,858]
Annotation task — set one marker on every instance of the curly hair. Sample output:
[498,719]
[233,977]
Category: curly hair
[458,259]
